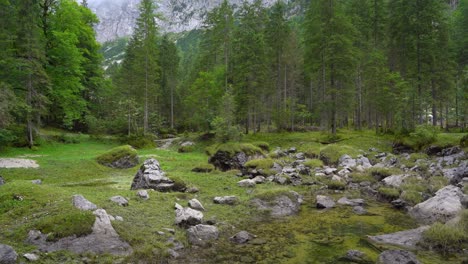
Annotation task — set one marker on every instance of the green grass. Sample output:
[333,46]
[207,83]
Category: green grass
[314,163]
[116,154]
[389,193]
[446,238]
[332,153]
[260,163]
[233,148]
[66,224]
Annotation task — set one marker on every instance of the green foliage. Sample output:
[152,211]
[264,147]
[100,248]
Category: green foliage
[444,237]
[423,136]
[332,153]
[314,163]
[262,144]
[259,163]
[389,193]
[233,148]
[334,185]
[362,177]
[382,173]
[412,197]
[66,224]
[116,154]
[464,141]
[203,167]
[224,132]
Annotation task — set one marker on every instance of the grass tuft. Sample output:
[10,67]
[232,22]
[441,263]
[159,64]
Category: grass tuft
[76,222]
[314,163]
[260,163]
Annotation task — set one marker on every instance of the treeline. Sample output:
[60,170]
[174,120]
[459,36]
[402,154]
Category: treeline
[50,67]
[377,64]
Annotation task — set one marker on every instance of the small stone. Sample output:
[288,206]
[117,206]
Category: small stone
[229,200]
[195,204]
[192,190]
[31,257]
[186,217]
[81,203]
[38,182]
[259,179]
[119,218]
[173,253]
[242,237]
[324,202]
[330,171]
[119,200]
[161,233]
[246,183]
[143,194]
[351,202]
[300,156]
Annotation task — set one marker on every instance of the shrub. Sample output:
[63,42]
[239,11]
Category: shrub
[464,141]
[139,141]
[314,163]
[225,132]
[262,144]
[444,237]
[116,154]
[259,163]
[389,193]
[423,135]
[77,223]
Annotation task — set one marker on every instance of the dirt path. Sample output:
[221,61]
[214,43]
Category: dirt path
[17,163]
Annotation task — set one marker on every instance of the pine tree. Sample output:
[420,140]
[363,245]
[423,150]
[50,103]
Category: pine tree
[169,60]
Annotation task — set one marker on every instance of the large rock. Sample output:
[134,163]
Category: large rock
[229,200]
[151,176]
[356,256]
[283,204]
[122,157]
[103,240]
[444,206]
[347,162]
[186,217]
[7,255]
[82,203]
[407,239]
[456,174]
[397,257]
[201,235]
[323,201]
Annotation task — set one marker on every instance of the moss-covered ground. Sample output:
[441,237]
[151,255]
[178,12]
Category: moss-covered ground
[67,169]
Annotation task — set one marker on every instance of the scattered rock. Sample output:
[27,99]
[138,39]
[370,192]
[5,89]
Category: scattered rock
[400,148]
[230,200]
[323,201]
[104,239]
[399,204]
[359,210]
[283,204]
[456,174]
[151,176]
[81,203]
[38,182]
[406,239]
[195,204]
[356,256]
[174,254]
[119,200]
[242,237]
[225,161]
[351,202]
[444,206]
[300,156]
[143,194]
[186,217]
[31,257]
[201,235]
[7,255]
[397,257]
[246,183]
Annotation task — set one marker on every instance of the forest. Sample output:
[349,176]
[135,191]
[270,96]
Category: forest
[389,66]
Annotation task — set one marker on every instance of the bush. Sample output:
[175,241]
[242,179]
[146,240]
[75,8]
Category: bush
[224,132]
[464,141]
[314,163]
[139,141]
[6,137]
[259,163]
[444,237]
[116,154]
[423,135]
[263,145]
[77,223]
[389,193]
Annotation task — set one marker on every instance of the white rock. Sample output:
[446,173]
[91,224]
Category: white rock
[195,204]
[246,183]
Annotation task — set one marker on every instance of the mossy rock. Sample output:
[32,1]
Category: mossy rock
[77,223]
[122,157]
[259,164]
[203,168]
[331,154]
[314,163]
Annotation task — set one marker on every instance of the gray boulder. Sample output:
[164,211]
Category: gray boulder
[82,203]
[242,237]
[151,176]
[407,239]
[259,179]
[397,257]
[323,202]
[229,200]
[359,210]
[195,204]
[351,202]
[356,256]
[346,161]
[119,200]
[201,235]
[395,180]
[456,174]
[284,204]
[445,205]
[7,255]
[31,257]
[143,194]
[186,217]
[247,183]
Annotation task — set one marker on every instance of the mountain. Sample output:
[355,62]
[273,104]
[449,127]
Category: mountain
[117,17]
